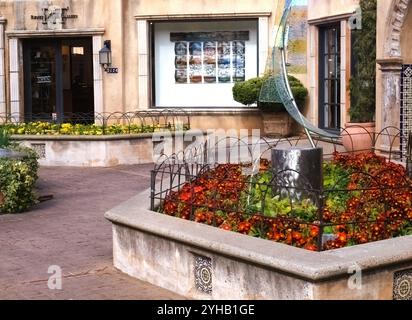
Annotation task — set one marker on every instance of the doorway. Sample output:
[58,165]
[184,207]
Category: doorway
[329,78]
[58,79]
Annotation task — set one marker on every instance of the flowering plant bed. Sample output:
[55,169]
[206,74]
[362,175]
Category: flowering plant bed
[46,128]
[365,198]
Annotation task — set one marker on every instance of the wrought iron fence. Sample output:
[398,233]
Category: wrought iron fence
[366,195]
[126,122]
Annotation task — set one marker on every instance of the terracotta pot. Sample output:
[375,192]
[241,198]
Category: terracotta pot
[278,124]
[359,137]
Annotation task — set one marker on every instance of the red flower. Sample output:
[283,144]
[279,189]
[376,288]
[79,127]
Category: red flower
[185,196]
[226,227]
[314,231]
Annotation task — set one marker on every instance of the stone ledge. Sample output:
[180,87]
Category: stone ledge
[53,33]
[185,16]
[311,266]
[220,111]
[93,138]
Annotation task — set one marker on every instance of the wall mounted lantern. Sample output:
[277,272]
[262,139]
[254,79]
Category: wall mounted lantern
[105,55]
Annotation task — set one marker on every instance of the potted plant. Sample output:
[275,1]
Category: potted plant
[359,133]
[276,119]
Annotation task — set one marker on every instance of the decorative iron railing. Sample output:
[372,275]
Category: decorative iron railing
[366,195]
[126,122]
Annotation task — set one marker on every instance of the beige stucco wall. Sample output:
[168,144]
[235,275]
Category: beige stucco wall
[320,9]
[384,14]
[206,7]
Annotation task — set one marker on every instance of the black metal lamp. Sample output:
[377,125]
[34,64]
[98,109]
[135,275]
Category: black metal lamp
[105,55]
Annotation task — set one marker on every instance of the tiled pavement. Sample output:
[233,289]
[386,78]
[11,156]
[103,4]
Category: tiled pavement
[71,232]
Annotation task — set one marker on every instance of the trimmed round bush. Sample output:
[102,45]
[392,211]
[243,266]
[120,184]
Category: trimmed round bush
[248,92]
[17,180]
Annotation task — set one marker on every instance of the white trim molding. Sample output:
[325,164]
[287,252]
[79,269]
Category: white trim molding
[2,68]
[344,67]
[14,76]
[142,25]
[263,42]
[97,75]
[143,61]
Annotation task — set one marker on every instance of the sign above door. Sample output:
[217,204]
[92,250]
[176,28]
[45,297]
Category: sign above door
[54,17]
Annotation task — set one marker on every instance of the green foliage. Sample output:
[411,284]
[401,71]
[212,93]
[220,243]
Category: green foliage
[335,177]
[363,82]
[248,93]
[4,138]
[262,199]
[17,180]
[406,229]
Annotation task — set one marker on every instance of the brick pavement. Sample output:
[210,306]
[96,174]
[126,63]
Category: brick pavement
[71,232]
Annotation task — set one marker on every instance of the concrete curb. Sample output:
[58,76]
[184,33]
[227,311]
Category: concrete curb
[312,266]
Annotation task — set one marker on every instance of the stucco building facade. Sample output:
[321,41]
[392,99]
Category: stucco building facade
[49,56]
[176,53]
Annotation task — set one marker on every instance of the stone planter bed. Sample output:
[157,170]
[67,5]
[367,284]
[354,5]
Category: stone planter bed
[91,151]
[203,262]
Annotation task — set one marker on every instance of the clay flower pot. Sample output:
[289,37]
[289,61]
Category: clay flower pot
[358,137]
[277,124]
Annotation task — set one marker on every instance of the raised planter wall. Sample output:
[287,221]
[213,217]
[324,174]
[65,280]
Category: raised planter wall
[91,151]
[202,262]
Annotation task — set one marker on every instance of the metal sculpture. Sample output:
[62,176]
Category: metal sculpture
[277,86]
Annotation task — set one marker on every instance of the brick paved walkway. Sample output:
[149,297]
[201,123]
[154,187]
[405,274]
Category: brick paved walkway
[71,232]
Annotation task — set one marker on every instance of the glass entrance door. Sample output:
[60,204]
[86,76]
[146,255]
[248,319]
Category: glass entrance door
[42,62]
[58,79]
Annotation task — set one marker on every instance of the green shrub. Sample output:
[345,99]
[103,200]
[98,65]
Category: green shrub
[4,138]
[248,93]
[363,81]
[17,180]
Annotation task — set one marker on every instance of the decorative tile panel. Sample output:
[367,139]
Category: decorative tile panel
[402,285]
[406,105]
[203,274]
[40,149]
